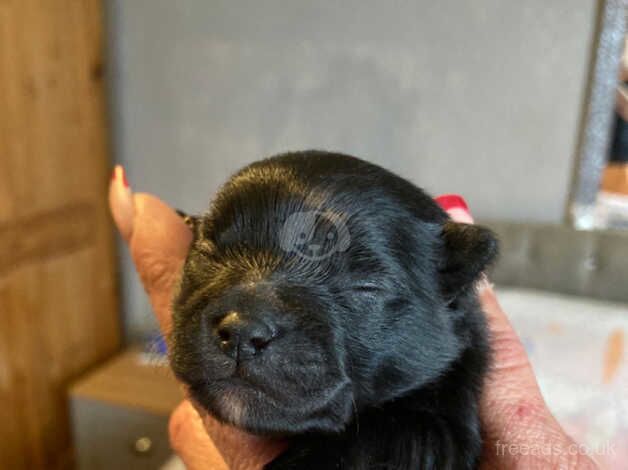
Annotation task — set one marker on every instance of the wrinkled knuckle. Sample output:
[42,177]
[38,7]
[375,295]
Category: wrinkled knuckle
[507,350]
[155,273]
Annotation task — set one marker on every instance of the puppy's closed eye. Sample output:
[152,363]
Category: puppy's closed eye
[329,301]
[366,287]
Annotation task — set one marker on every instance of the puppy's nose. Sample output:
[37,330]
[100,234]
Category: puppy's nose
[242,337]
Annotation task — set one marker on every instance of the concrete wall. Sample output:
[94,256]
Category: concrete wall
[478,97]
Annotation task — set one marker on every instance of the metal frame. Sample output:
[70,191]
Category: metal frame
[598,113]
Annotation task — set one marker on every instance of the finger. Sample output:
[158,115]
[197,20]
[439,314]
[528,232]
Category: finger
[520,431]
[159,244]
[515,418]
[509,354]
[121,202]
[511,396]
[242,451]
[456,207]
[511,368]
[228,448]
[158,239]
[190,440]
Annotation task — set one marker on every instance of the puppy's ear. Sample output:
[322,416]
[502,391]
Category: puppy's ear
[192,221]
[468,250]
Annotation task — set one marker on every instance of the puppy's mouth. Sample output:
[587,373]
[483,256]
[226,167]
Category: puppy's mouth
[274,409]
[227,399]
[252,366]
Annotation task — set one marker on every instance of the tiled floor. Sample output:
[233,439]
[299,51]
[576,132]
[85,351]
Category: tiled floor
[579,351]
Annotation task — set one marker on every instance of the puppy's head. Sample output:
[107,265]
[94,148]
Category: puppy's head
[318,285]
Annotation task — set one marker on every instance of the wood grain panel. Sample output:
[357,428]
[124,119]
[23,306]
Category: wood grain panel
[123,381]
[58,296]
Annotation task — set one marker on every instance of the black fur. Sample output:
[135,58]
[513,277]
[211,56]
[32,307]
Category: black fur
[373,347]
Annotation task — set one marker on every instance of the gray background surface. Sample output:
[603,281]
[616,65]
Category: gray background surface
[480,97]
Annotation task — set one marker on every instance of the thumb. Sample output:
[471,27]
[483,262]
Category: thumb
[158,240]
[519,430]
[190,441]
[228,448]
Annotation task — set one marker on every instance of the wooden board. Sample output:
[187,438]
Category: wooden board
[58,296]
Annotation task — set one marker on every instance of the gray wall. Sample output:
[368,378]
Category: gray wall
[478,97]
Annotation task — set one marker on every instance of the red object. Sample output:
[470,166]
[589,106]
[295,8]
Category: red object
[124,180]
[116,174]
[452,201]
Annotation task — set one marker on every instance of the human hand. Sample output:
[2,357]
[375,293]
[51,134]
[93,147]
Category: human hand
[158,241]
[515,418]
[519,430]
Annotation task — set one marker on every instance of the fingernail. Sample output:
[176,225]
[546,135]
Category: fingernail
[484,284]
[450,201]
[119,176]
[121,202]
[456,207]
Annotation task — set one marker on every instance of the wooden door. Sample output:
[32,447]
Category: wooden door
[58,296]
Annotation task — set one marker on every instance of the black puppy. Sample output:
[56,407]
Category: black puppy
[326,300]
